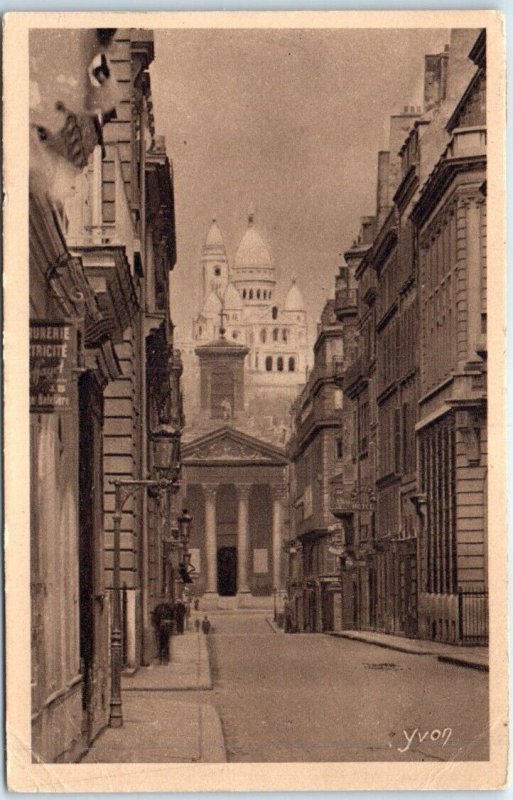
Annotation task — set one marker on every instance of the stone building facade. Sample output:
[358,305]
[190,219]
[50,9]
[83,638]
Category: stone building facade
[102,243]
[318,452]
[235,487]
[412,503]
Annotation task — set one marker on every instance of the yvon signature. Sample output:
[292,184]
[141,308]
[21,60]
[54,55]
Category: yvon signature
[435,735]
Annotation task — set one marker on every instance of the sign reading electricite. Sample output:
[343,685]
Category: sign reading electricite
[50,366]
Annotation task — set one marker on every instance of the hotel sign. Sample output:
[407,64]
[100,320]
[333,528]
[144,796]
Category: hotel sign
[50,366]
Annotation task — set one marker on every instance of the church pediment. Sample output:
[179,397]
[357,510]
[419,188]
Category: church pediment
[228,446]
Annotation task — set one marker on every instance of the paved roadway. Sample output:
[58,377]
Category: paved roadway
[312,697]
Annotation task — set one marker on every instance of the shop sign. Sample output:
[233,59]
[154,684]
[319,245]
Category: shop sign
[50,366]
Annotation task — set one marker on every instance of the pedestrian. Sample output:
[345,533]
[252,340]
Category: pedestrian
[180,612]
[163,616]
[196,603]
[197,625]
[205,625]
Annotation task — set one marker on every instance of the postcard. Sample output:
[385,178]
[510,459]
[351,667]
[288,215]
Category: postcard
[255,479]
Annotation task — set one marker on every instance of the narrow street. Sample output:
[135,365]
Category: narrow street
[278,698]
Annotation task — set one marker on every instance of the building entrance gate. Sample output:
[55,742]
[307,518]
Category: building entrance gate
[227,571]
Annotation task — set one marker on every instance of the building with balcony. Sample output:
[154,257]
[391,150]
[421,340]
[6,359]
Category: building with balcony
[450,216]
[412,574]
[317,451]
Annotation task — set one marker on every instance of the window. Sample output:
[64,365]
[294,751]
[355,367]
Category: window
[284,334]
[275,334]
[339,449]
[243,294]
[274,311]
[258,294]
[292,364]
[263,335]
[200,330]
[268,363]
[251,294]
[256,362]
[265,295]
[279,364]
[222,392]
[217,271]
[235,334]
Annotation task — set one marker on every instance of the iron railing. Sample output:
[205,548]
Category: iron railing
[473,616]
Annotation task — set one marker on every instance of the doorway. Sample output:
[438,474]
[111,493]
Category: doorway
[227,571]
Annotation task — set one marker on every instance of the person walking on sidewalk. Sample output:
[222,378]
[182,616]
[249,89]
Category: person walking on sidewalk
[180,612]
[163,616]
[206,625]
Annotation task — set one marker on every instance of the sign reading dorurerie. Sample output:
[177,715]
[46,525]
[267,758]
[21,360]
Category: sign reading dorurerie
[50,365]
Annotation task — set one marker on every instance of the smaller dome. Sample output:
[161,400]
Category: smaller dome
[232,299]
[214,236]
[294,300]
[212,304]
[252,252]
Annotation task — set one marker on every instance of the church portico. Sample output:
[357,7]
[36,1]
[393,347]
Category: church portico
[235,490]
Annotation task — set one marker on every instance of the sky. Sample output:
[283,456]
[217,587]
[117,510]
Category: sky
[287,123]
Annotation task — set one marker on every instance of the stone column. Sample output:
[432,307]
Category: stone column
[278,493]
[210,491]
[474,280]
[243,490]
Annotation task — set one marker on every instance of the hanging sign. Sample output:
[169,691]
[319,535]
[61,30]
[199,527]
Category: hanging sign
[50,366]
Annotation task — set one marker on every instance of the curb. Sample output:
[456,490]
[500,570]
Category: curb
[212,744]
[392,646]
[459,661]
[462,662]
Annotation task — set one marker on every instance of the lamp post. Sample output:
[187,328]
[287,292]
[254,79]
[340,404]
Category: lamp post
[165,450]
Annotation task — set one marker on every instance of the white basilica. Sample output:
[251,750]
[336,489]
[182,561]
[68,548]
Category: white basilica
[242,299]
[276,336]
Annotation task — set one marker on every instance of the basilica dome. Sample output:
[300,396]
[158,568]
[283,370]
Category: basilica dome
[252,252]
[294,300]
[214,236]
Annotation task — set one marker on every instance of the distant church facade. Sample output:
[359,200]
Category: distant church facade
[244,367]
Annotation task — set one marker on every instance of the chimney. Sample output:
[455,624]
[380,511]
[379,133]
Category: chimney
[368,228]
[435,80]
[382,188]
[460,68]
[400,127]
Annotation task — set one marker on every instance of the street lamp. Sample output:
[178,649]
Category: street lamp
[166,467]
[184,523]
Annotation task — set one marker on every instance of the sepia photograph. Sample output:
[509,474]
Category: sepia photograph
[248,494]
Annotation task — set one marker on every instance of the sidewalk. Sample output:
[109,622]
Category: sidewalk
[472,657]
[157,727]
[188,668]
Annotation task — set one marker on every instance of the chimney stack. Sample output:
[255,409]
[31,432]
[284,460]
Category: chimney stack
[435,79]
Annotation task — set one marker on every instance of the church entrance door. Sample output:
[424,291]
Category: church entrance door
[227,571]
